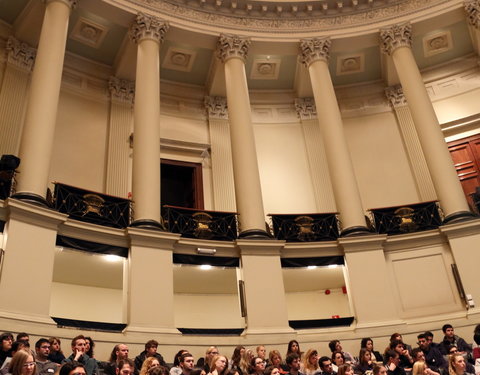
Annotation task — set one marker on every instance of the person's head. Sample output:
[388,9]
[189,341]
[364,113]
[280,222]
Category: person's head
[419,368]
[187,363]
[293,361]
[456,364]
[89,345]
[72,368]
[398,346]
[379,370]
[335,346]
[271,370]
[151,347]
[219,363]
[325,364]
[293,347]
[422,341]
[7,341]
[275,358]
[345,369]
[23,336]
[22,363]
[418,355]
[78,344]
[176,359]
[447,330]
[20,345]
[367,343]
[429,336]
[311,358]
[338,358]
[261,352]
[237,354]
[196,371]
[42,349]
[365,356]
[391,356]
[125,367]
[211,352]
[258,365]
[396,336]
[55,345]
[148,364]
[159,370]
[121,352]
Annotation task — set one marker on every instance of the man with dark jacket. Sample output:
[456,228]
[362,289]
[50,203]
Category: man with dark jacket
[433,357]
[450,339]
[150,351]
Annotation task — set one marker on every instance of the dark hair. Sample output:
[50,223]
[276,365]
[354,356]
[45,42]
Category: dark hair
[269,370]
[429,334]
[334,354]
[323,359]
[236,356]
[176,359]
[376,369]
[185,355]
[17,344]
[159,370]
[79,337]
[394,344]
[92,345]
[6,336]
[41,341]
[69,366]
[253,360]
[343,368]
[333,344]
[415,352]
[196,371]
[51,340]
[22,334]
[126,361]
[476,334]
[289,347]
[422,336]
[150,344]
[394,335]
[291,357]
[450,348]
[445,327]
[113,354]
[361,356]
[363,343]
[390,354]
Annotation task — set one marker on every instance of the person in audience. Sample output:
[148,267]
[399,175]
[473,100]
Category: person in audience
[468,366]
[271,370]
[345,369]
[457,365]
[309,364]
[337,360]
[429,335]
[6,340]
[161,370]
[293,347]
[406,359]
[262,353]
[22,364]
[23,336]
[398,336]
[418,355]
[72,368]
[392,359]
[148,365]
[151,347]
[234,364]
[257,366]
[176,369]
[293,363]
[219,365]
[326,367]
[119,352]
[367,343]
[379,369]
[365,364]
[451,338]
[187,363]
[44,365]
[125,367]
[275,360]
[433,357]
[16,346]
[89,345]
[56,354]
[335,346]
[79,355]
[211,352]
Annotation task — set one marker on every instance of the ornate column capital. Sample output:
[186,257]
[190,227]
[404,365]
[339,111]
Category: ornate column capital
[121,90]
[216,107]
[395,96]
[315,49]
[20,54]
[148,27]
[472,7]
[306,108]
[229,46]
[396,36]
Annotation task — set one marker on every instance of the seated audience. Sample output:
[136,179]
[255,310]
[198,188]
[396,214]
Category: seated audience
[421,368]
[6,340]
[257,366]
[89,345]
[187,363]
[176,370]
[326,367]
[44,365]
[150,351]
[262,353]
[309,364]
[346,369]
[392,361]
[72,368]
[275,360]
[335,346]
[367,343]
[125,367]
[79,355]
[22,363]
[433,357]
[219,365]
[406,359]
[293,363]
[293,347]
[451,339]
[337,360]
[457,365]
[211,352]
[365,364]
[56,354]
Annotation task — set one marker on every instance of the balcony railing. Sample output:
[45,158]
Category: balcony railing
[406,219]
[305,227]
[201,224]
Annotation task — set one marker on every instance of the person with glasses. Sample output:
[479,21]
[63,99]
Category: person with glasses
[44,365]
[22,363]
[257,366]
[211,352]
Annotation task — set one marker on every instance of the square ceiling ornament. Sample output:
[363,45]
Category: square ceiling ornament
[439,42]
[350,64]
[88,32]
[179,59]
[265,68]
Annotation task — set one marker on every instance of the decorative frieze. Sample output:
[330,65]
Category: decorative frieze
[216,107]
[148,27]
[20,54]
[306,108]
[121,89]
[396,36]
[232,46]
[395,96]
[472,7]
[315,49]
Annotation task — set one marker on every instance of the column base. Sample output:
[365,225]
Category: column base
[255,234]
[148,224]
[460,216]
[31,198]
[355,231]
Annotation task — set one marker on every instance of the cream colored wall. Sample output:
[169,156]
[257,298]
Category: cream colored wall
[184,129]
[86,303]
[380,162]
[317,305]
[457,106]
[285,178]
[79,151]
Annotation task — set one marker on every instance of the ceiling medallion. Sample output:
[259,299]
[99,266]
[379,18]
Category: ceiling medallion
[88,32]
[439,42]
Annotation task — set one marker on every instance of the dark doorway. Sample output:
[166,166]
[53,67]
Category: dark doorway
[182,184]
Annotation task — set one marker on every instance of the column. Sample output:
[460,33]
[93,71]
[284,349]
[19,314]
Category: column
[221,154]
[315,55]
[13,93]
[396,42]
[472,9]
[39,127]
[317,160]
[122,93]
[147,32]
[232,51]
[415,155]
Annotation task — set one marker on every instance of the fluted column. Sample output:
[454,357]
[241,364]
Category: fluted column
[39,127]
[13,94]
[317,160]
[396,42]
[221,154]
[315,55]
[232,50]
[122,93]
[147,32]
[415,155]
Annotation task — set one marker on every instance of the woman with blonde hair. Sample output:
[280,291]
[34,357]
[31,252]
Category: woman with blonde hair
[219,365]
[149,364]
[247,357]
[22,363]
[457,365]
[275,360]
[309,365]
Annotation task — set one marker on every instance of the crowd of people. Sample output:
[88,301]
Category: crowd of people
[452,356]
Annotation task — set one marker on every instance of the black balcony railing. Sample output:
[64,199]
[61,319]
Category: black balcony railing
[305,228]
[92,207]
[406,219]
[208,225]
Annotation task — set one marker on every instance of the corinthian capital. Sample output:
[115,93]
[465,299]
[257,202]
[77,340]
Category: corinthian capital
[395,96]
[232,46]
[396,36]
[472,7]
[216,107]
[148,27]
[121,90]
[315,49]
[306,108]
[20,54]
